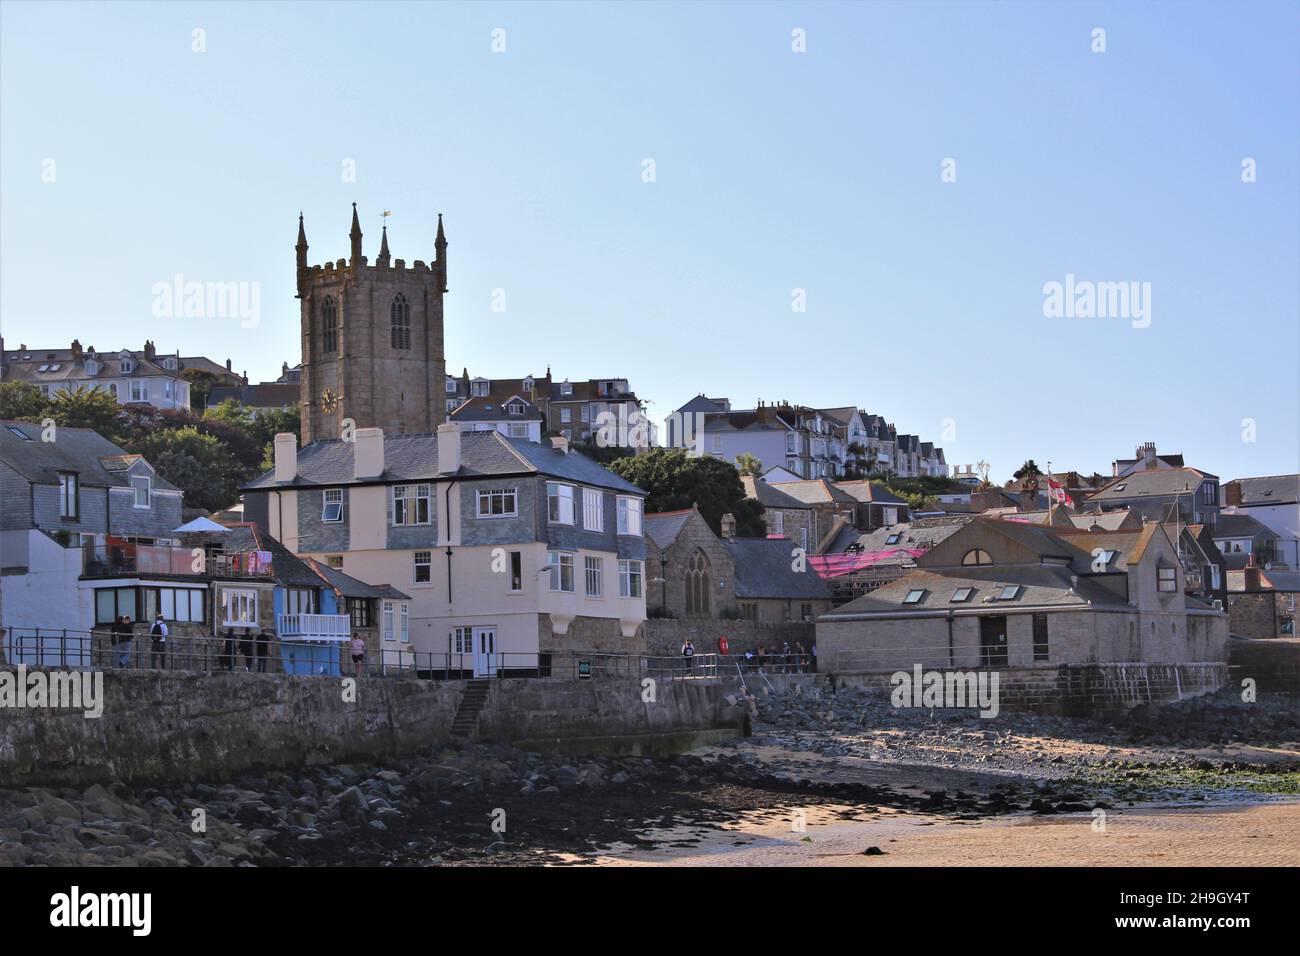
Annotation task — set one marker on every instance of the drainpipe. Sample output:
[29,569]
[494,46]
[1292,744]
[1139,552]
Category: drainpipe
[446,497]
[951,655]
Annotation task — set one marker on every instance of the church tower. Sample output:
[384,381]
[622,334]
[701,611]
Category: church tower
[372,347]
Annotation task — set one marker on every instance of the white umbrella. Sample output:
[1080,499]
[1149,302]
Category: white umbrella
[201,524]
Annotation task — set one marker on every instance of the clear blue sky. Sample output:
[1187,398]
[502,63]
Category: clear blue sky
[775,171]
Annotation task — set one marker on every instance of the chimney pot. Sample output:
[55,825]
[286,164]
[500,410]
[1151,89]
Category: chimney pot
[560,444]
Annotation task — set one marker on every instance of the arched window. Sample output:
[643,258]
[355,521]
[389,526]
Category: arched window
[329,325]
[697,584]
[976,556]
[400,314]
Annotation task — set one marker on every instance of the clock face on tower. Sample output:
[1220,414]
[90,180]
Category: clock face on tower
[329,401]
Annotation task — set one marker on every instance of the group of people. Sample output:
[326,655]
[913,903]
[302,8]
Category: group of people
[123,635]
[788,660]
[255,650]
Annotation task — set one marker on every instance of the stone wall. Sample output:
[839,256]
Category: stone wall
[1086,690]
[664,636]
[1274,664]
[160,725]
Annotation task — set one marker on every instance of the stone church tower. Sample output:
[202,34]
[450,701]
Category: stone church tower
[372,346]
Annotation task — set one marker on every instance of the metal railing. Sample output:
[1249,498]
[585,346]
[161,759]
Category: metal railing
[100,649]
[127,558]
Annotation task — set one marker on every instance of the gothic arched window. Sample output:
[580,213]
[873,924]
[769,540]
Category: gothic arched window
[976,556]
[329,325]
[400,316]
[697,584]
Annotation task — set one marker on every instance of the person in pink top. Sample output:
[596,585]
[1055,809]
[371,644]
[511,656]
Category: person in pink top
[358,652]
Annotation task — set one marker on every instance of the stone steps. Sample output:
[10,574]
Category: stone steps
[471,705]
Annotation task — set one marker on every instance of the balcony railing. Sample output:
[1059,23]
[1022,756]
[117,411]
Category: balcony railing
[314,627]
[128,558]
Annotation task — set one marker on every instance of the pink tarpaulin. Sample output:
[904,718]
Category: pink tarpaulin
[834,565]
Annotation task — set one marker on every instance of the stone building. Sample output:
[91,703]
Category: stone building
[1261,603]
[372,340]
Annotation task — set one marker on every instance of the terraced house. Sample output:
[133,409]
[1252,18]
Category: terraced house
[509,550]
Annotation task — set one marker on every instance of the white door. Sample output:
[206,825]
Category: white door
[485,651]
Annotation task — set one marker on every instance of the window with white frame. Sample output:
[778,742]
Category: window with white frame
[332,505]
[423,567]
[584,412]
[451,386]
[559,502]
[594,575]
[561,565]
[462,640]
[790,442]
[139,390]
[779,521]
[238,608]
[566,415]
[411,504]
[629,515]
[593,509]
[497,503]
[566,388]
[518,430]
[396,621]
[180,604]
[143,486]
[717,445]
[629,579]
[515,408]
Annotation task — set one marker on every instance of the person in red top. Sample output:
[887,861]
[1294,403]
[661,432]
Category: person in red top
[722,644]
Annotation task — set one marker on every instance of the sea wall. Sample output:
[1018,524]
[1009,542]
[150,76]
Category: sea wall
[158,725]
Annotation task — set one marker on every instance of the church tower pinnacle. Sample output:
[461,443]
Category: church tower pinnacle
[355,236]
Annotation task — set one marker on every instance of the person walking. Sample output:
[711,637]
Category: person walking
[125,634]
[158,643]
[263,651]
[358,652]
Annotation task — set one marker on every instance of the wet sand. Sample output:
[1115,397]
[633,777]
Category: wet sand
[1266,834]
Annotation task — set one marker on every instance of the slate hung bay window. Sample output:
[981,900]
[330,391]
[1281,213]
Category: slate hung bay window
[593,510]
[143,490]
[559,503]
[238,608]
[497,503]
[629,516]
[594,575]
[411,504]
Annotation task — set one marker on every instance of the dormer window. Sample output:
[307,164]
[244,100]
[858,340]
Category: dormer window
[479,387]
[515,408]
[528,384]
[566,388]
[127,366]
[451,386]
[92,367]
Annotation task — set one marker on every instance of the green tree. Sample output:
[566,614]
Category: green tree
[748,464]
[94,408]
[21,401]
[230,412]
[199,464]
[1027,470]
[673,479]
[201,385]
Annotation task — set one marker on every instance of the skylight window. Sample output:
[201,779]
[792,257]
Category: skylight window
[19,433]
[961,594]
[893,538]
[1009,593]
[43,368]
[914,596]
[1107,556]
[1121,487]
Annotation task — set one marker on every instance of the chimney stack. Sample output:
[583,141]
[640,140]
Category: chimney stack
[1148,455]
[1232,494]
[368,453]
[560,444]
[448,448]
[286,456]
[1250,575]
[729,526]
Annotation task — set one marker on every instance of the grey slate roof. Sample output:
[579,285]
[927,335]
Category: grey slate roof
[1234,525]
[1040,585]
[663,527]
[1273,490]
[493,409]
[265,395]
[921,533]
[768,495]
[415,458]
[764,570]
[97,460]
[1158,482]
[865,490]
[350,587]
